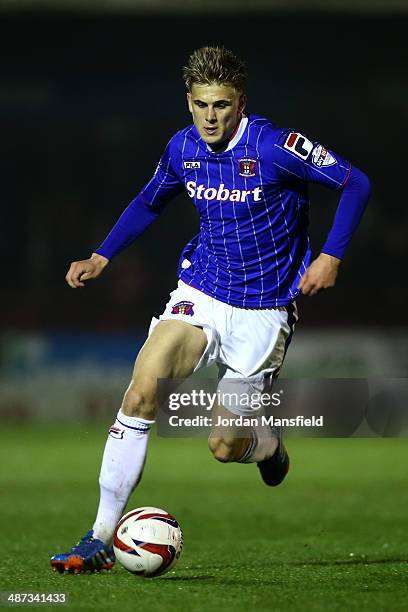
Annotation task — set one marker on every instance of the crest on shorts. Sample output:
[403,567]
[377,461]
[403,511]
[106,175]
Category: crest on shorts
[247,167]
[183,308]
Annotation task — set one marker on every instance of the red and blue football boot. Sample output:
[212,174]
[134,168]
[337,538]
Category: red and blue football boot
[89,555]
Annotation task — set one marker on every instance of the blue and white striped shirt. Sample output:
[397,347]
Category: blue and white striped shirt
[252,247]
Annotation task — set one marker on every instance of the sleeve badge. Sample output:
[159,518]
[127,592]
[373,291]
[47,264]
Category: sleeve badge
[322,157]
[298,144]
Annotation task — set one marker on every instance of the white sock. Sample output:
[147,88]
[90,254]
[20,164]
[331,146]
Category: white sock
[263,444]
[122,467]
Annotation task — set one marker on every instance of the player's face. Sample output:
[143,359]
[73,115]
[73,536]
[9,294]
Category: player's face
[216,110]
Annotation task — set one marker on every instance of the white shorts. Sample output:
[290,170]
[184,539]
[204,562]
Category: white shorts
[243,342]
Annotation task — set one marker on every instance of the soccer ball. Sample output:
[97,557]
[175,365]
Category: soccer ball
[148,541]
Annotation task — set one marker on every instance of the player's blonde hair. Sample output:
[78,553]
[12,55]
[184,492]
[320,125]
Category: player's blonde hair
[209,65]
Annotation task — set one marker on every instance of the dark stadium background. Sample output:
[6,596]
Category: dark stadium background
[88,101]
[88,104]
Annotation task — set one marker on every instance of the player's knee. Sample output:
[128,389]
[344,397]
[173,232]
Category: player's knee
[140,401]
[222,450]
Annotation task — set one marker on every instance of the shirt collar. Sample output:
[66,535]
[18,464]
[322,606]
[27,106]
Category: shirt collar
[237,135]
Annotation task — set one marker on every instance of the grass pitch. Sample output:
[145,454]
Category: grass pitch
[332,537]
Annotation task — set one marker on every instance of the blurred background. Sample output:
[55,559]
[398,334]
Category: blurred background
[91,91]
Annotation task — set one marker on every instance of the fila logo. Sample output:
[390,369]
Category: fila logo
[192,165]
[201,192]
[298,144]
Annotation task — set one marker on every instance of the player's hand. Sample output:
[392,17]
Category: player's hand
[81,271]
[321,274]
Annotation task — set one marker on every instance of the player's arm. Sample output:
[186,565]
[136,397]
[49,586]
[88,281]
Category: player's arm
[322,272]
[311,162]
[134,220]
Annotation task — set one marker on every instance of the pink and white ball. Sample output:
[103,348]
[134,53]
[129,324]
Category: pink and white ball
[148,541]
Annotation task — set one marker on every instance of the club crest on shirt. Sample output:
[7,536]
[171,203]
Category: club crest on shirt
[247,167]
[321,157]
[183,308]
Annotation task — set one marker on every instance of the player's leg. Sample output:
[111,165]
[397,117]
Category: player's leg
[267,334]
[173,350]
[227,442]
[234,442]
[258,444]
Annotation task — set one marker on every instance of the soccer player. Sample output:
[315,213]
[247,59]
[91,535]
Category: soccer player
[238,277]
